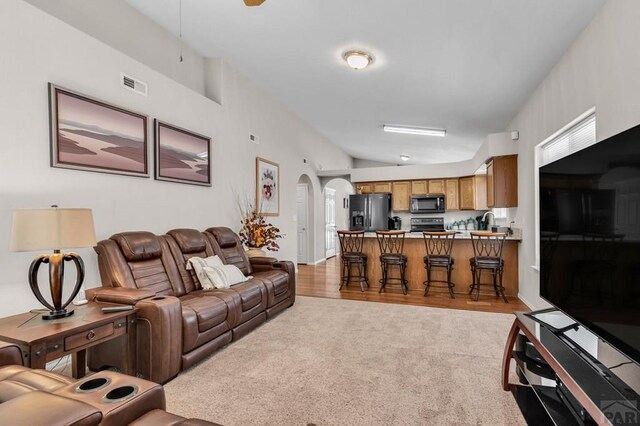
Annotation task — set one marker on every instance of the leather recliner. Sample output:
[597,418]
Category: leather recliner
[179,323]
[33,397]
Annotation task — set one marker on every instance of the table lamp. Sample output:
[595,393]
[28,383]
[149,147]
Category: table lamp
[53,229]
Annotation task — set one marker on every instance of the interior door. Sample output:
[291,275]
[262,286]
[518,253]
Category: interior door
[330,221]
[302,202]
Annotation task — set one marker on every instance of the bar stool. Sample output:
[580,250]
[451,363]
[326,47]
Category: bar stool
[391,246]
[351,254]
[487,256]
[439,246]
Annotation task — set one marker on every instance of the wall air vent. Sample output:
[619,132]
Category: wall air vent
[133,84]
[253,138]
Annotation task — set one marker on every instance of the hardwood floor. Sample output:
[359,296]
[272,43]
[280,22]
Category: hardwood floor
[323,280]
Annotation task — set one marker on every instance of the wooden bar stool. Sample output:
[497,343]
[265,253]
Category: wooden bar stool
[439,246]
[391,254]
[487,256]
[351,254]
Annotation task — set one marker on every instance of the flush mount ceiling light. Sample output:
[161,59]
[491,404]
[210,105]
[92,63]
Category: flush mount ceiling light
[357,59]
[405,157]
[414,130]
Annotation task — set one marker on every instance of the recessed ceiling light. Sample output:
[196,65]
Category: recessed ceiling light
[414,130]
[405,157]
[357,59]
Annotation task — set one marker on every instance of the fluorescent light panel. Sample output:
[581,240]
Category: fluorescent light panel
[414,130]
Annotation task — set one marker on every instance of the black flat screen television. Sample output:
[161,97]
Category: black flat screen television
[590,238]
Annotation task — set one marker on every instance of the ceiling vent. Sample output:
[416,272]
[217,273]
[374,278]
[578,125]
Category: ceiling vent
[133,84]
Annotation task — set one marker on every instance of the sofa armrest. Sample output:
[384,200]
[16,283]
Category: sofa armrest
[10,354]
[262,261]
[159,339]
[120,295]
[289,268]
[261,264]
[42,408]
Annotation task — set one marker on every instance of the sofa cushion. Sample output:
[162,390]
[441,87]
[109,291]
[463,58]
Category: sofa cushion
[210,311]
[227,245]
[189,240]
[16,380]
[42,408]
[138,245]
[277,283]
[250,292]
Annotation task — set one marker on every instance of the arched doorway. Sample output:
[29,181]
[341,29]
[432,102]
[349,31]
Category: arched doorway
[305,220]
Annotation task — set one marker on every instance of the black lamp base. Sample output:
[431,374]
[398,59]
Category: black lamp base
[56,273]
[53,315]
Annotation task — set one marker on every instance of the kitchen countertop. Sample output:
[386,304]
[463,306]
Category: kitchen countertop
[462,235]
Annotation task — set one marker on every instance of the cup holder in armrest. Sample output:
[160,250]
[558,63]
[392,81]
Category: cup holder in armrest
[121,393]
[93,385]
[159,298]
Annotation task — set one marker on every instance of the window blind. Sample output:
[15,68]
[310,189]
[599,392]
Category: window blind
[578,137]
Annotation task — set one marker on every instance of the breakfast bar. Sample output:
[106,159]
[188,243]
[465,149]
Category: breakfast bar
[414,249]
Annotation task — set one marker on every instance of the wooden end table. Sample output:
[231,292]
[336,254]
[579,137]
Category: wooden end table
[43,341]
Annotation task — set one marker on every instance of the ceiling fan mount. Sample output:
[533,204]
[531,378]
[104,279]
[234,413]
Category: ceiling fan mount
[253,2]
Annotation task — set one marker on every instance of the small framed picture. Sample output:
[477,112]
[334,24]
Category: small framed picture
[88,134]
[267,187]
[181,155]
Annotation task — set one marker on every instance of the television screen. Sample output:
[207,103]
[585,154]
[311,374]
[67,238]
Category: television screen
[590,238]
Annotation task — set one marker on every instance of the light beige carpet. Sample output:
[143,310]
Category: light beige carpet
[341,362]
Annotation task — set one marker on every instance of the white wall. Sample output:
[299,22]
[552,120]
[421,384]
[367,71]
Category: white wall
[39,48]
[123,27]
[601,69]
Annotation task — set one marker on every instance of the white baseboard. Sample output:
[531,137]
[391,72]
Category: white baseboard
[324,259]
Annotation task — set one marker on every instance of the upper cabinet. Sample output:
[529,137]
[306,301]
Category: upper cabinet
[502,181]
[373,187]
[473,192]
[364,188]
[451,194]
[381,187]
[498,188]
[436,186]
[401,196]
[418,187]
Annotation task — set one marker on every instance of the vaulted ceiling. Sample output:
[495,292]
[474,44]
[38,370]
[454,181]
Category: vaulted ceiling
[466,66]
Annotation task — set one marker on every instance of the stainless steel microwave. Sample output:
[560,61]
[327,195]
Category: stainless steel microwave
[429,203]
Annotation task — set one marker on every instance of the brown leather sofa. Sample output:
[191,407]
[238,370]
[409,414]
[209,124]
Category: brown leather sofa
[179,322]
[39,397]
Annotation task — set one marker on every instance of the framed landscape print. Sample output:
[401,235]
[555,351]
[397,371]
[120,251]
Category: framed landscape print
[88,134]
[182,156]
[267,187]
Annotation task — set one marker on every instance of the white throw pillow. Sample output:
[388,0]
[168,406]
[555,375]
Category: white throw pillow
[198,264]
[224,276]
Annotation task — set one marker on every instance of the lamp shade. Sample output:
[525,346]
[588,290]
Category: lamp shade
[52,229]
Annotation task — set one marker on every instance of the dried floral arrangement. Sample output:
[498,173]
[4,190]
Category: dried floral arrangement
[255,231]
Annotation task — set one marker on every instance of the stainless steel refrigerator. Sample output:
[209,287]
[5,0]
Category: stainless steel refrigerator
[369,212]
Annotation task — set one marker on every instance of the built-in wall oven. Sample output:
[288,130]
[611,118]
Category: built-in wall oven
[429,203]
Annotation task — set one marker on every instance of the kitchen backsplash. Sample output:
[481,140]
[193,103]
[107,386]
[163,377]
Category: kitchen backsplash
[449,217]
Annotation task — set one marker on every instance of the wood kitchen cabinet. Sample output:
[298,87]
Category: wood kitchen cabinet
[451,194]
[502,181]
[418,187]
[364,188]
[473,193]
[381,187]
[401,196]
[436,186]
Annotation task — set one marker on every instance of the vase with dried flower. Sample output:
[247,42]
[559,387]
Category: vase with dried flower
[257,234]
